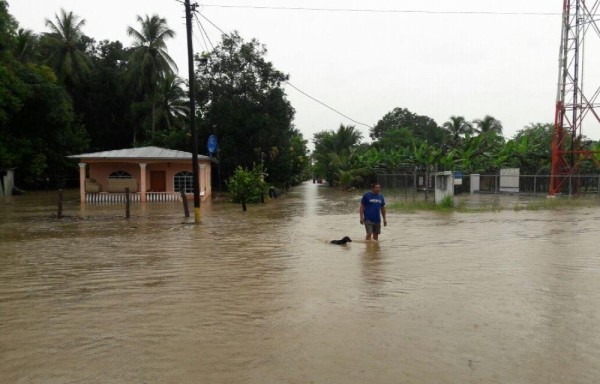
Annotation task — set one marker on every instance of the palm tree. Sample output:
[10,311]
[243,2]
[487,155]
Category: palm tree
[173,106]
[149,61]
[488,125]
[458,128]
[70,64]
[26,47]
[346,137]
[491,130]
[333,150]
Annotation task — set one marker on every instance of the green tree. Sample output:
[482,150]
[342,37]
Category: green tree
[104,100]
[458,127]
[62,45]
[488,125]
[171,115]
[8,27]
[530,149]
[150,61]
[491,129]
[242,101]
[40,128]
[333,153]
[26,46]
[173,102]
[292,161]
[247,186]
[420,128]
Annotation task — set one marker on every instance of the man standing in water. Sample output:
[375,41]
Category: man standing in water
[372,208]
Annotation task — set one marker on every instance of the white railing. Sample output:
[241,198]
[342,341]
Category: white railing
[163,196]
[112,197]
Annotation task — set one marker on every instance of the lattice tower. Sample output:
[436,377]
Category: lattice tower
[576,108]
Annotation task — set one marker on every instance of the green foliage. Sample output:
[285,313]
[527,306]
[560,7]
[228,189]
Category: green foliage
[26,46]
[103,101]
[38,127]
[8,26]
[243,103]
[333,154]
[149,64]
[62,44]
[12,92]
[458,128]
[247,186]
[401,124]
[447,203]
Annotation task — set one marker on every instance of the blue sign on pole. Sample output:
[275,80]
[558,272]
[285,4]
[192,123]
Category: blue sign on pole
[212,143]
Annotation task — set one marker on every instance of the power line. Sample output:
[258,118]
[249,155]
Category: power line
[205,46]
[296,88]
[327,106]
[408,11]
[203,32]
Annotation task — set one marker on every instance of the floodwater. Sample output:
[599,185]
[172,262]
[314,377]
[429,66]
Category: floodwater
[262,297]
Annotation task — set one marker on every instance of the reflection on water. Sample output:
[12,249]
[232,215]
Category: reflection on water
[261,296]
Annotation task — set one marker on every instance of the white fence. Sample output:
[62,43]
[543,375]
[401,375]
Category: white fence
[111,197]
[412,184]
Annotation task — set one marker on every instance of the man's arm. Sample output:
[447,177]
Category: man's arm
[362,213]
[383,214]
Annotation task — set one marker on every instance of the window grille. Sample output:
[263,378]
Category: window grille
[120,175]
[184,181]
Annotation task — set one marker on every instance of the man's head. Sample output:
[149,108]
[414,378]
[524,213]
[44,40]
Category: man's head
[375,188]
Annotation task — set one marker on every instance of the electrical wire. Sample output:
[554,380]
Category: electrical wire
[409,11]
[203,32]
[298,89]
[205,46]
[327,106]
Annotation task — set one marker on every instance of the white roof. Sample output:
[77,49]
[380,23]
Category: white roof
[140,153]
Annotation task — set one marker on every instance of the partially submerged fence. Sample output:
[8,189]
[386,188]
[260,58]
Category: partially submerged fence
[412,185]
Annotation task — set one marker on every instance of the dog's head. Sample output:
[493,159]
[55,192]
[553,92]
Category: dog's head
[346,239]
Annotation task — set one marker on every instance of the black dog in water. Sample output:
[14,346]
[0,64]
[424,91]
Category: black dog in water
[343,241]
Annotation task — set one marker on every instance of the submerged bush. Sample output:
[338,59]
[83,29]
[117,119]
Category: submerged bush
[447,203]
[247,186]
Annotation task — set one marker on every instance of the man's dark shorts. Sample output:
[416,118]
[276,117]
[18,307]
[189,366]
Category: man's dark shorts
[372,227]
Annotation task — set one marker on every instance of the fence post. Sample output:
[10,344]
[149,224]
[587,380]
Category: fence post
[60,204]
[414,184]
[534,185]
[127,203]
[186,210]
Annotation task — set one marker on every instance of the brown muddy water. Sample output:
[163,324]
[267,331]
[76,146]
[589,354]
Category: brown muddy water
[262,297]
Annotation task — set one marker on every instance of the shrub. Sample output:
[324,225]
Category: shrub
[247,186]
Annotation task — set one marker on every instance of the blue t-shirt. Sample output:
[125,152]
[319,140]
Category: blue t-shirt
[373,204]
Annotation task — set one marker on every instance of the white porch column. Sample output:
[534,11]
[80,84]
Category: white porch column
[82,182]
[143,182]
[202,184]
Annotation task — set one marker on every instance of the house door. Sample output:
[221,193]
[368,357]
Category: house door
[158,181]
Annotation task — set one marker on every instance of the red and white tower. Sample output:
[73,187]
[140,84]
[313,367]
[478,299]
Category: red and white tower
[576,108]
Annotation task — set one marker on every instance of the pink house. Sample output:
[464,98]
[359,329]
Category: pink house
[150,173]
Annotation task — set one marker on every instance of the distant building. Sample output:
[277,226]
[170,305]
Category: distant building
[150,173]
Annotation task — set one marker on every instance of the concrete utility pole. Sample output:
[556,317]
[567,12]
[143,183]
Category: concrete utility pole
[188,23]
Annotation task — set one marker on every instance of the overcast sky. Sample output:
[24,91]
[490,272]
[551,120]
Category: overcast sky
[452,57]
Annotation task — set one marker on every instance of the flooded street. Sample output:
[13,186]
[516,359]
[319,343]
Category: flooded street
[262,297]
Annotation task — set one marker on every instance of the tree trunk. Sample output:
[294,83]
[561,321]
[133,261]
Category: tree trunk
[153,111]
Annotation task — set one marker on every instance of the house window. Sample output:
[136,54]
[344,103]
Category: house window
[120,175]
[184,181]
